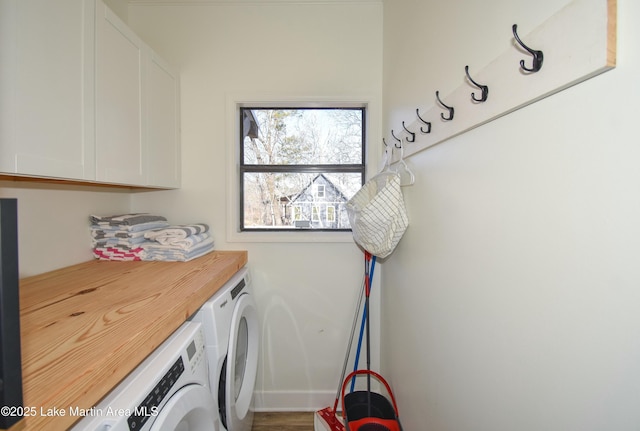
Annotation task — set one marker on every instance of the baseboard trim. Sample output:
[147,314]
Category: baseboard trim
[290,401]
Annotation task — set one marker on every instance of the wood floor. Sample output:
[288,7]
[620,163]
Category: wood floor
[287,421]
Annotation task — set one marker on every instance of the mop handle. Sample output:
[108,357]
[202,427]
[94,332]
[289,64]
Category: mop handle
[366,299]
[346,359]
[362,324]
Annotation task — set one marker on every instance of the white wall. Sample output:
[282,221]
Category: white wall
[305,291]
[512,302]
[53,221]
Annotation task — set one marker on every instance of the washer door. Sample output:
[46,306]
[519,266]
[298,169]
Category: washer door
[241,366]
[191,408]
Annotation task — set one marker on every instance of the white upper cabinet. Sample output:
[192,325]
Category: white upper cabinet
[163,124]
[119,95]
[46,88]
[82,97]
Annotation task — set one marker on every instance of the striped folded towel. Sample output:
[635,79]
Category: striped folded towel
[99,233]
[176,234]
[129,222]
[118,253]
[186,244]
[176,254]
[106,242]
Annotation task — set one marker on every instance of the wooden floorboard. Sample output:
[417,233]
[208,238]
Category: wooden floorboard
[283,421]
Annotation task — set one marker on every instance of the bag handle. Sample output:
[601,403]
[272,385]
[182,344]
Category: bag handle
[377,377]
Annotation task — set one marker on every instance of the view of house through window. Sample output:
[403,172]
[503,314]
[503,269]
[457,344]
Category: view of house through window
[299,166]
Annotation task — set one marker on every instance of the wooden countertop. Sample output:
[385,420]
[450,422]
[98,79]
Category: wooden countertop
[85,327]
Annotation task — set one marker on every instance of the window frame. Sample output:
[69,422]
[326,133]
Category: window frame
[371,101]
[359,168]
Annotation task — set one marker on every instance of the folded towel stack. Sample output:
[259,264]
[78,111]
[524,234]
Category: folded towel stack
[143,236]
[120,237]
[178,242]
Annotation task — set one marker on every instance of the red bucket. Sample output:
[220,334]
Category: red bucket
[367,410]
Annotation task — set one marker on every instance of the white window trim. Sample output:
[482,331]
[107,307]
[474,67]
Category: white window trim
[373,148]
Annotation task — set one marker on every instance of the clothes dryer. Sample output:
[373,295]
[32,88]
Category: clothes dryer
[230,323]
[169,390]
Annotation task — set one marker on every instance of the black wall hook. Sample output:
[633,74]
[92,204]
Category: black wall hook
[449,108]
[428,123]
[484,88]
[413,135]
[397,139]
[537,55]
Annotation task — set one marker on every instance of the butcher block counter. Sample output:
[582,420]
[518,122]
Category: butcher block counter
[85,327]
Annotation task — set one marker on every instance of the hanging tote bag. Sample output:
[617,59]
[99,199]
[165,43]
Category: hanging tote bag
[378,215]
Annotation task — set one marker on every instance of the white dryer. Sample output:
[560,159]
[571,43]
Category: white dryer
[169,390]
[231,331]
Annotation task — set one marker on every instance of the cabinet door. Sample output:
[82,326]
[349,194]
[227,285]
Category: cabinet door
[119,93]
[163,124]
[46,88]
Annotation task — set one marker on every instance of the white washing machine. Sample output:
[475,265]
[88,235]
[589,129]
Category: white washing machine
[168,391]
[230,323]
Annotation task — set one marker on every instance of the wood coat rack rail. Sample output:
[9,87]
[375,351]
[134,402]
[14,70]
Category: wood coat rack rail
[576,43]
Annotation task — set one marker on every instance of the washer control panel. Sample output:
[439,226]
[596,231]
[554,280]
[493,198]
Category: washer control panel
[149,407]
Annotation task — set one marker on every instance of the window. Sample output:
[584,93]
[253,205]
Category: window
[315,213]
[331,213]
[297,212]
[296,163]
